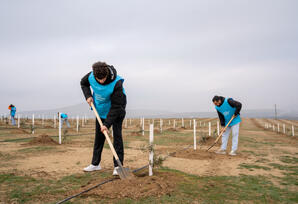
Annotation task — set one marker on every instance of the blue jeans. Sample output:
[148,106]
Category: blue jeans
[13,121]
[66,121]
[235,134]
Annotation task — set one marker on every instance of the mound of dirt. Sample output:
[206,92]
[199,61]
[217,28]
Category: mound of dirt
[43,140]
[194,154]
[139,187]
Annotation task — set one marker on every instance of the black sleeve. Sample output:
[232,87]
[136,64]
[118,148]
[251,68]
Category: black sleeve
[85,85]
[221,119]
[118,103]
[235,104]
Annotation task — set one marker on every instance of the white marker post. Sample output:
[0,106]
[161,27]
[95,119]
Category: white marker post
[273,128]
[190,123]
[209,129]
[42,120]
[217,127]
[284,127]
[18,121]
[174,124]
[182,122]
[59,127]
[78,121]
[293,131]
[143,126]
[278,127]
[160,123]
[151,154]
[194,134]
[33,124]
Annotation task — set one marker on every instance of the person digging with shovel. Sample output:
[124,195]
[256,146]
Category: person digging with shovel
[109,99]
[13,111]
[226,109]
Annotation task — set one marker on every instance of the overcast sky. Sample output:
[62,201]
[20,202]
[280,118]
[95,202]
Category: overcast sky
[174,55]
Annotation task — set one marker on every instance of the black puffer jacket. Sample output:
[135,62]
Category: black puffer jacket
[234,104]
[118,98]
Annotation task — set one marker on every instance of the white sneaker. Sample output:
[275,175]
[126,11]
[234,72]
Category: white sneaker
[91,167]
[115,173]
[220,151]
[232,153]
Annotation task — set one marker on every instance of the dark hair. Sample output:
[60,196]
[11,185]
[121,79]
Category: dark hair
[215,98]
[100,70]
[11,105]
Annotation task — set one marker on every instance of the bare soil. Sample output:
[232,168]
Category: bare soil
[139,187]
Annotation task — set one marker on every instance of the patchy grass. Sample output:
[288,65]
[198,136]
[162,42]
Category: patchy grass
[23,189]
[37,149]
[253,166]
[289,160]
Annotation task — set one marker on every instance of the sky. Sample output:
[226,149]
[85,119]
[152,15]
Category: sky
[174,55]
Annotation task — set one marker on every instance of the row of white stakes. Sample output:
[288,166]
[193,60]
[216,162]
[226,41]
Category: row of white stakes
[142,124]
[84,120]
[269,125]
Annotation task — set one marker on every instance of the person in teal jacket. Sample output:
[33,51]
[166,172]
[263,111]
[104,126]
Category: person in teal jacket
[109,98]
[64,118]
[13,111]
[226,109]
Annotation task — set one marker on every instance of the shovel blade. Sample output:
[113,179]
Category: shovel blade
[124,173]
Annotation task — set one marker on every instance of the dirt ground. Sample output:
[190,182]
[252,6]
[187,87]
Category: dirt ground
[42,157]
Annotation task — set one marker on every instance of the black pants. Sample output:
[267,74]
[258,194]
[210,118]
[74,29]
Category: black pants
[100,140]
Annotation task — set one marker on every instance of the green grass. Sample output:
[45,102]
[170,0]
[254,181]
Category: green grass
[25,189]
[253,166]
[215,189]
[289,160]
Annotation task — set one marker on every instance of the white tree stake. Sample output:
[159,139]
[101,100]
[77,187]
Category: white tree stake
[33,124]
[160,123]
[209,128]
[151,154]
[293,131]
[194,134]
[284,127]
[190,123]
[278,127]
[183,122]
[18,121]
[217,127]
[143,126]
[42,120]
[59,124]
[174,124]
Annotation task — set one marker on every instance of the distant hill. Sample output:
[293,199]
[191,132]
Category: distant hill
[84,110]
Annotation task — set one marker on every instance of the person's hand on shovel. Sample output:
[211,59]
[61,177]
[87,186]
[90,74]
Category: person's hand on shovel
[103,129]
[222,129]
[89,100]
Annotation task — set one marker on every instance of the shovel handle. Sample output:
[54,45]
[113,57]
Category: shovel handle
[219,136]
[105,132]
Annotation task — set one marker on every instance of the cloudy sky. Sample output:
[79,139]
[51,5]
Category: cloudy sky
[174,55]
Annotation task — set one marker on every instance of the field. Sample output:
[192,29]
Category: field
[35,169]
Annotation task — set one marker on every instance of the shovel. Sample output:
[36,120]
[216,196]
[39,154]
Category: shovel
[123,173]
[222,132]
